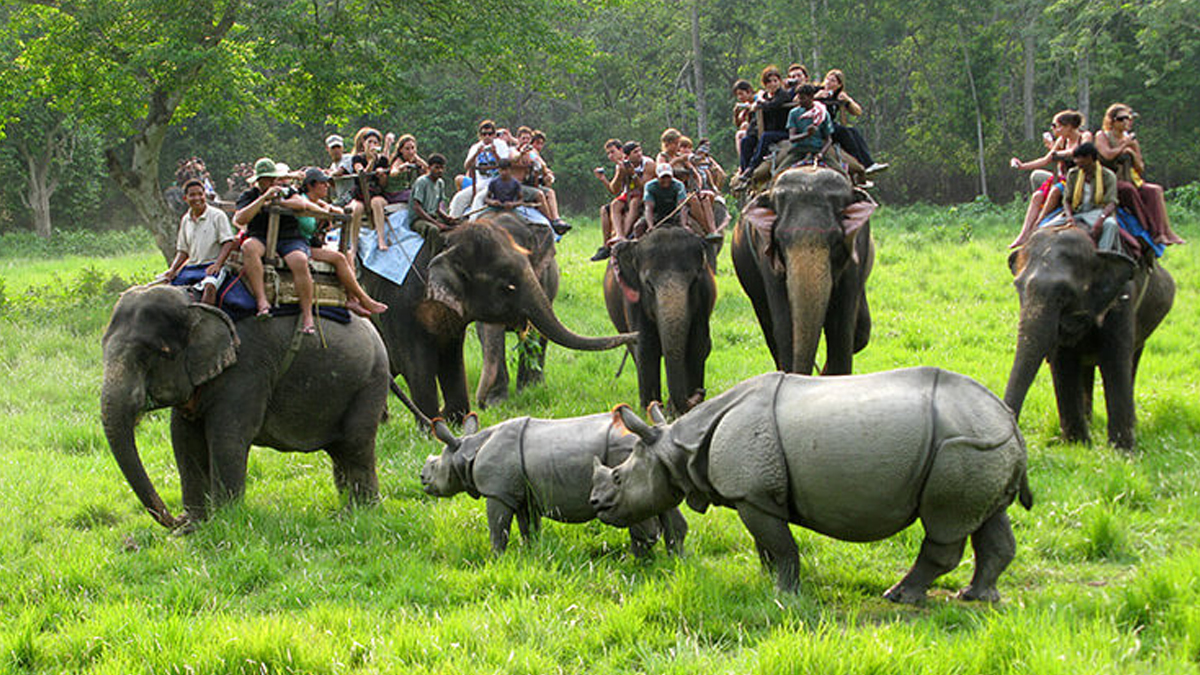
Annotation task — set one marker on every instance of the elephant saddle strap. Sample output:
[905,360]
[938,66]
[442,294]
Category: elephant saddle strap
[293,349]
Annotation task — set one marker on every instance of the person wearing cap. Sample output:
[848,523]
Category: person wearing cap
[204,235]
[340,165]
[291,245]
[665,198]
[315,190]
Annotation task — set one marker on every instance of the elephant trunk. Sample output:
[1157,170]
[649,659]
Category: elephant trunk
[537,306]
[1036,332]
[674,328]
[809,284]
[122,400]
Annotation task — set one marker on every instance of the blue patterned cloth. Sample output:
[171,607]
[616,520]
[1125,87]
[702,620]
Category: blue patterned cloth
[403,247]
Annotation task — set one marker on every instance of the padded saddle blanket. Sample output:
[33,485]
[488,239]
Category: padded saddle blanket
[236,300]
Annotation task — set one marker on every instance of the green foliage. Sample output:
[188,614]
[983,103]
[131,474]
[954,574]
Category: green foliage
[1187,196]
[82,243]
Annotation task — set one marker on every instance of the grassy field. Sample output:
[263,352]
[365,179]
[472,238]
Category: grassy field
[1105,579]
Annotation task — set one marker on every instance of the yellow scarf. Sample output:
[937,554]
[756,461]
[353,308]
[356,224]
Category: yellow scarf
[1097,193]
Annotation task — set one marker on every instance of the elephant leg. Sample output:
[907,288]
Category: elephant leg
[649,364]
[782,337]
[933,561]
[1115,369]
[531,370]
[642,537]
[862,325]
[354,470]
[1087,389]
[191,458]
[499,517]
[839,329]
[229,446]
[674,528]
[775,544]
[452,377]
[995,547]
[699,347]
[1066,370]
[752,279]
[493,377]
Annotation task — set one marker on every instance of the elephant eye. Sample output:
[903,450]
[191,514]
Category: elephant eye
[510,288]
[616,479]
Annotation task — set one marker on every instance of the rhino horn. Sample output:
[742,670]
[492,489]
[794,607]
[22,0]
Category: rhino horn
[629,419]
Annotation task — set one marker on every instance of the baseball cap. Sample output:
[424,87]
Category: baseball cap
[315,175]
[663,169]
[334,140]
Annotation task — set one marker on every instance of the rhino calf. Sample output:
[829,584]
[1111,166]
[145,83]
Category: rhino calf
[533,467]
[857,458]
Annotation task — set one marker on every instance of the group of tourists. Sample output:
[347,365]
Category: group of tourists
[798,109]
[680,184]
[1084,177]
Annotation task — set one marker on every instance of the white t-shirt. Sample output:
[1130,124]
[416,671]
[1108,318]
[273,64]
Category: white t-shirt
[201,238]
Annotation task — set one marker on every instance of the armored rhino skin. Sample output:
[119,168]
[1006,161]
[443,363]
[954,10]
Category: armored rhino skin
[857,458]
[531,467]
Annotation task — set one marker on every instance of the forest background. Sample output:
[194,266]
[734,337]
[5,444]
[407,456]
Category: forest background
[102,97]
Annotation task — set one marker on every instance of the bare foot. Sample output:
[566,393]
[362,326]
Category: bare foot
[355,306]
[374,306]
[382,244]
[264,311]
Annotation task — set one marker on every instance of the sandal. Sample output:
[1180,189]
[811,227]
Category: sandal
[309,330]
[263,313]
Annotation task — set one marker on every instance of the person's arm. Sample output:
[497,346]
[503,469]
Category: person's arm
[852,106]
[469,162]
[1106,149]
[1135,149]
[716,174]
[246,214]
[181,258]
[226,249]
[619,180]
[419,210]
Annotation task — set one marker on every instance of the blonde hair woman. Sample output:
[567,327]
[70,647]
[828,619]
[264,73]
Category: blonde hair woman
[1120,151]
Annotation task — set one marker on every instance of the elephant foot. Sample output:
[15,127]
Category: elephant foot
[492,400]
[533,379]
[185,525]
[905,595]
[973,594]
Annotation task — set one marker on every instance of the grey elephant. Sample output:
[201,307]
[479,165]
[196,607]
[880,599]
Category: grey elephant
[481,275]
[531,468]
[229,386]
[857,458]
[805,270]
[663,286]
[1082,309]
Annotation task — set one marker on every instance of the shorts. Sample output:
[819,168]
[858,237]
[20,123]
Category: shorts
[286,246]
[1048,185]
[529,194]
[400,197]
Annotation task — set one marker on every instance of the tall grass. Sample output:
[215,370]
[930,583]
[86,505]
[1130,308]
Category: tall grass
[288,582]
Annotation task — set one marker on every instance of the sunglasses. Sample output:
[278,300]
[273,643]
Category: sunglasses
[487,133]
[1120,118]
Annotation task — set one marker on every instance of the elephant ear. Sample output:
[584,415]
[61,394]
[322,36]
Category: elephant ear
[212,343]
[625,257]
[1110,273]
[1017,260]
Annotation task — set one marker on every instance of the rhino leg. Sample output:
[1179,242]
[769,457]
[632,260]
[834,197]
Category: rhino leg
[642,537]
[499,517]
[995,547]
[933,561]
[775,544]
[529,522]
[674,527]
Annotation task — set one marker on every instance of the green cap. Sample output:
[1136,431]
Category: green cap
[265,167]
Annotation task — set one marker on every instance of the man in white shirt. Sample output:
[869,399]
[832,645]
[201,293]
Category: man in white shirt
[341,164]
[205,235]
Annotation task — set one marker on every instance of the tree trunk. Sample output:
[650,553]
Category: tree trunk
[698,73]
[1085,93]
[814,66]
[38,197]
[983,187]
[1030,73]
[139,180]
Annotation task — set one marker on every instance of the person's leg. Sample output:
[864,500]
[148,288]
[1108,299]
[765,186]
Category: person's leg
[552,202]
[765,142]
[1053,203]
[706,207]
[1156,210]
[746,151]
[252,253]
[297,262]
[632,213]
[377,204]
[345,275]
[1036,201]
[617,217]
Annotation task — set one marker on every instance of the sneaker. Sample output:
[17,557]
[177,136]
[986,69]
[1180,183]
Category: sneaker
[602,253]
[867,185]
[876,168]
[560,227]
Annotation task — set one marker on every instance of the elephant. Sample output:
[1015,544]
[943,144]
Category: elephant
[230,385]
[857,458]
[1082,309]
[482,274]
[538,240]
[532,468]
[805,271]
[663,286]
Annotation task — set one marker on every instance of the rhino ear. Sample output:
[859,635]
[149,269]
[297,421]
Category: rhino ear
[625,418]
[470,424]
[444,434]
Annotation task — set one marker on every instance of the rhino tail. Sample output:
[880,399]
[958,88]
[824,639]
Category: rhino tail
[1024,493]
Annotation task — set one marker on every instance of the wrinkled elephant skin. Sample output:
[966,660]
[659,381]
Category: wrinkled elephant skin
[231,386]
[807,274]
[1082,310]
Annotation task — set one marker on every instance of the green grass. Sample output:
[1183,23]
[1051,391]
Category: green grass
[286,581]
